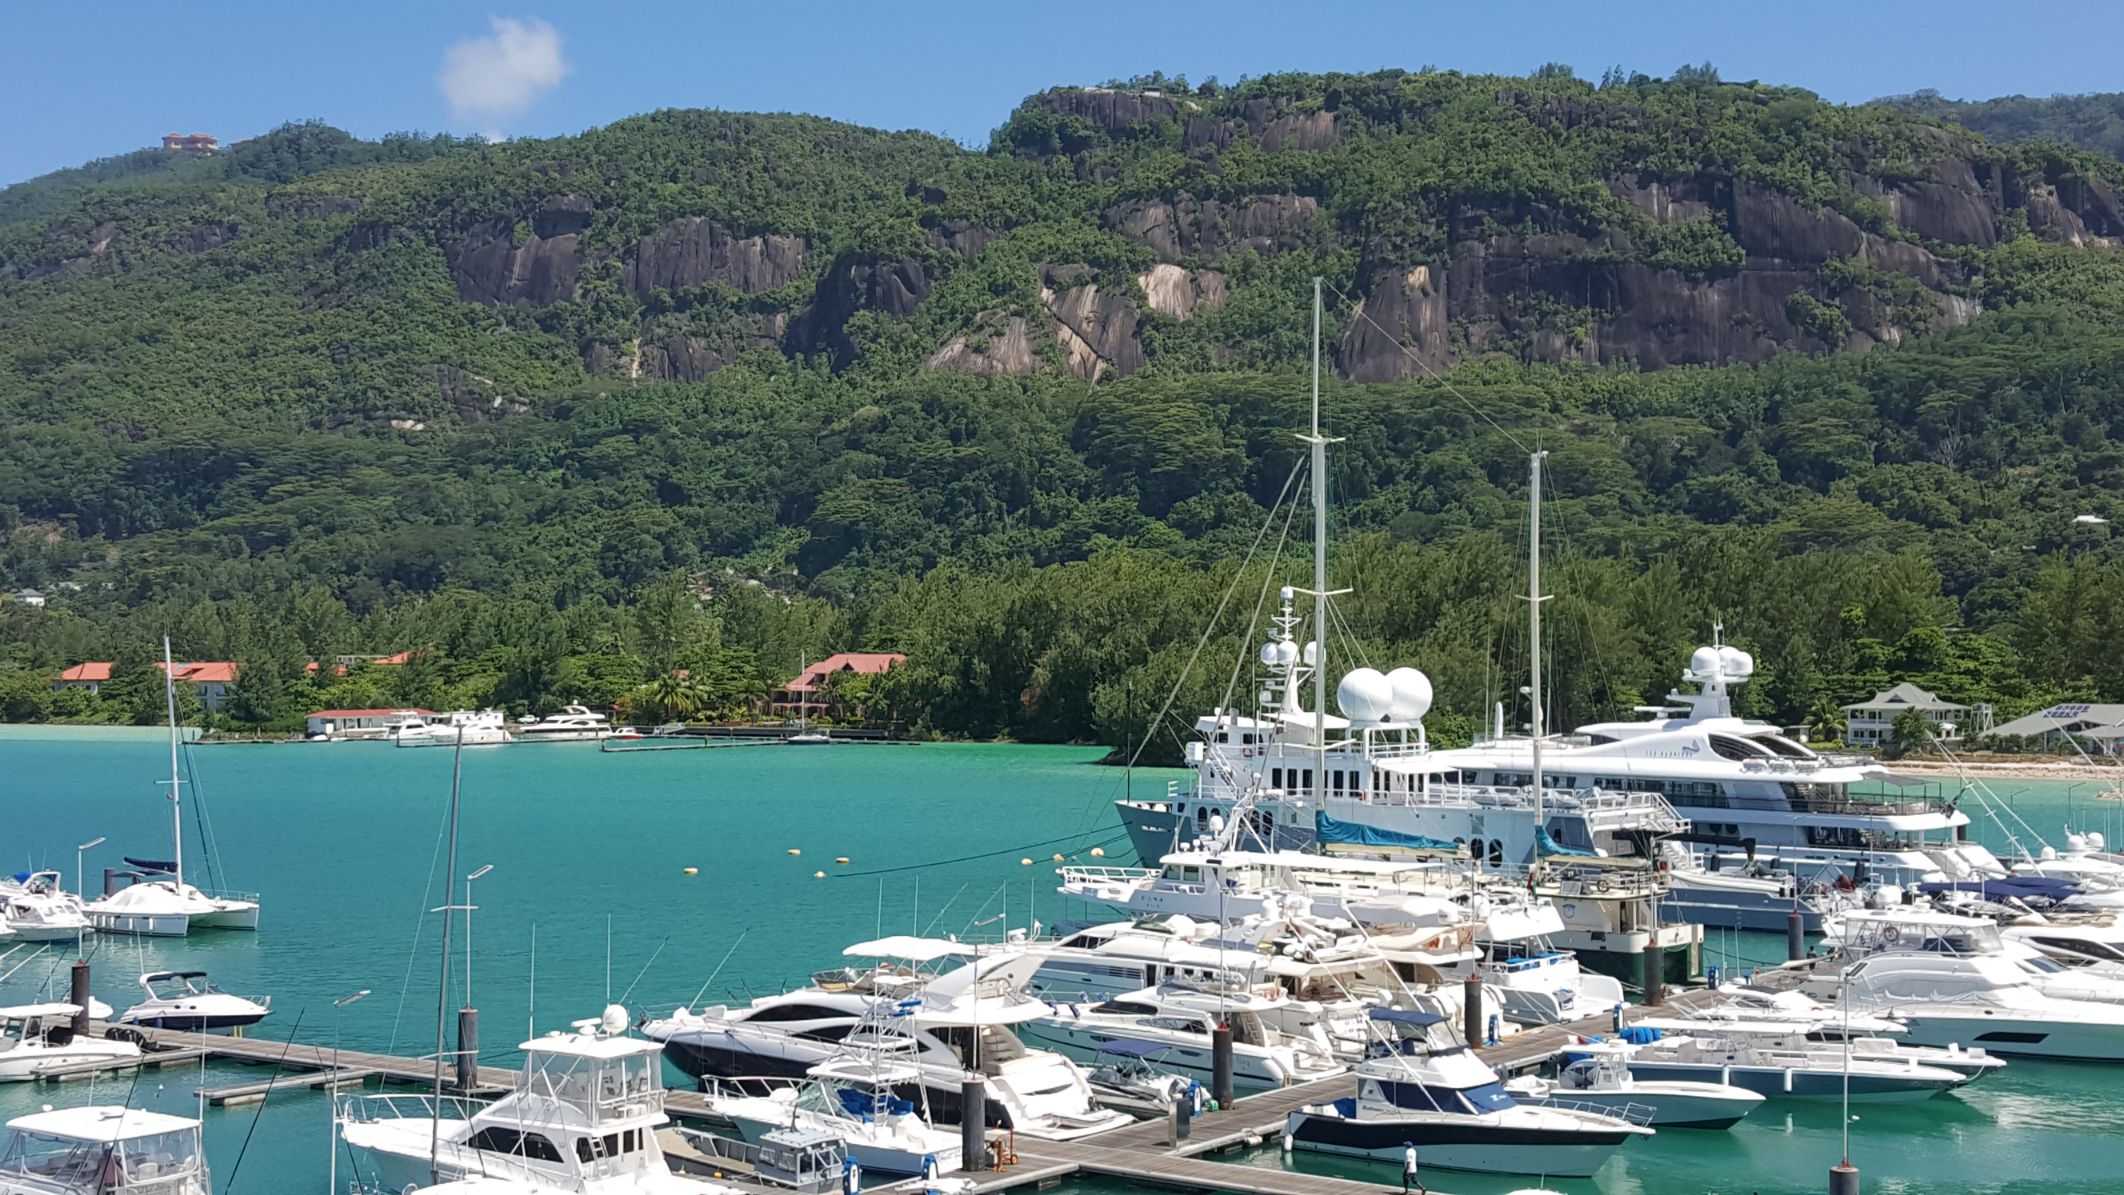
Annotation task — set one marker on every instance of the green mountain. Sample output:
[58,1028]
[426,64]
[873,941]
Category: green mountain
[2093,122]
[717,391]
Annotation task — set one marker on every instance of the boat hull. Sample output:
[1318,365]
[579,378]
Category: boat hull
[1716,909]
[1252,1073]
[2018,1038]
[1672,1105]
[143,925]
[1778,1083]
[1457,1143]
[239,915]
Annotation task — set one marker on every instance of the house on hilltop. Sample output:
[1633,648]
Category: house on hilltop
[32,598]
[191,143]
[210,679]
[88,676]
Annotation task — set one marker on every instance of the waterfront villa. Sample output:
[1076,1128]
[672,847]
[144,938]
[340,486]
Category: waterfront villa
[1872,723]
[809,690]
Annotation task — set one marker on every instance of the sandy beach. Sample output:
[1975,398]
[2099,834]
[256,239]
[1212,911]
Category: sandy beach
[2016,769]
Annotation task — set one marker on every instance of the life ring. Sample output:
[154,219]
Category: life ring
[1601,884]
[1890,933]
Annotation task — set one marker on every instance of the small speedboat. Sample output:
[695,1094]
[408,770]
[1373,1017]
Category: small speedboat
[1124,1076]
[35,908]
[1598,1079]
[38,1038]
[107,1150]
[187,1000]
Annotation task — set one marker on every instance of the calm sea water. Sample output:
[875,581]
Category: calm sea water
[590,849]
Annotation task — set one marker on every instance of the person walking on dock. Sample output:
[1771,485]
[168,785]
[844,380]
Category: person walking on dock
[1409,1180]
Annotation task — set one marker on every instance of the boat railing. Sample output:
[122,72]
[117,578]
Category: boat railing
[1636,1114]
[1095,875]
[745,1157]
[229,894]
[370,1109]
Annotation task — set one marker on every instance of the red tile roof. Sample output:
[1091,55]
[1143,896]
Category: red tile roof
[93,672]
[207,672]
[862,663]
[400,658]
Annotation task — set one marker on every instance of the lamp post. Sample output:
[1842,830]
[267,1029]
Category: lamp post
[81,876]
[332,1098]
[468,929]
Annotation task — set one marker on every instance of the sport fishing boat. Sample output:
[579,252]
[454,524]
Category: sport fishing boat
[945,1027]
[163,905]
[1425,1089]
[853,1099]
[1598,1076]
[583,1118]
[573,723]
[103,1150]
[187,1000]
[34,907]
[37,1038]
[1179,1021]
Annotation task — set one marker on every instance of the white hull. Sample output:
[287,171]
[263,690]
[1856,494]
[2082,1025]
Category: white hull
[46,933]
[2014,1036]
[143,925]
[23,1065]
[232,914]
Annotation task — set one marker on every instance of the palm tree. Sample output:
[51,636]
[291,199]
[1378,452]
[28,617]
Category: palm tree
[673,697]
[1825,722]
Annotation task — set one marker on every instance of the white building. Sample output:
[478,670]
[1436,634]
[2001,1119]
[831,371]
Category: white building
[1871,723]
[29,597]
[2083,722]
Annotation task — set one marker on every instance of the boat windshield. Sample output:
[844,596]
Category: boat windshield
[157,1163]
[1489,1097]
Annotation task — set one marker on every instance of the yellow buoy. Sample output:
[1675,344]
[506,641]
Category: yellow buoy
[818,875]
[693,871]
[1025,862]
[1058,856]
[794,851]
[842,859]
[1098,852]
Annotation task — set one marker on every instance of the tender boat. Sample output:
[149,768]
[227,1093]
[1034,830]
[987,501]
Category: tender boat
[1598,1076]
[36,908]
[1125,1076]
[103,1150]
[1431,1092]
[36,1038]
[572,723]
[583,1119]
[187,1000]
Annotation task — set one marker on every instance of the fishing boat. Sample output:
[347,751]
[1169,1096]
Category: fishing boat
[1598,1076]
[163,905]
[1425,1089]
[34,907]
[188,1000]
[583,1118]
[103,1150]
[38,1038]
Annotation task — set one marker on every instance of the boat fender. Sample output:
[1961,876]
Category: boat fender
[1788,1082]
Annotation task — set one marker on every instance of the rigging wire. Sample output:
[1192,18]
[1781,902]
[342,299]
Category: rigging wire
[1009,850]
[1357,309]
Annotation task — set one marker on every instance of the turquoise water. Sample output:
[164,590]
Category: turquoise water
[591,848]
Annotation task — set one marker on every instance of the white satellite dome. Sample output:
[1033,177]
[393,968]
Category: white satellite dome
[1312,652]
[615,1018]
[1704,661]
[1286,652]
[1365,695]
[1735,662]
[2096,841]
[1412,695]
[1268,652]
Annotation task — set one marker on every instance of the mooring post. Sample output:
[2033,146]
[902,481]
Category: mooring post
[1184,1115]
[1221,1064]
[1654,960]
[1843,1179]
[1795,937]
[1471,1010]
[81,997]
[110,881]
[467,1049]
[973,1123]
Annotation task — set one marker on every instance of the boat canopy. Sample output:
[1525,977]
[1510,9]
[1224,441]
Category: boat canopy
[1333,832]
[1407,1016]
[1549,847]
[25,1011]
[1132,1049]
[908,947]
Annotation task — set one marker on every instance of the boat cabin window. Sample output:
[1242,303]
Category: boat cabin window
[1127,1007]
[1476,849]
[1496,852]
[796,1012]
[1727,746]
[611,1145]
[2082,946]
[515,1143]
[1488,1097]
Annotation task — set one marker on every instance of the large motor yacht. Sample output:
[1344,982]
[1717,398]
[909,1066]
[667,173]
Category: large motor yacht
[959,1022]
[571,724]
[1179,1020]
[485,728]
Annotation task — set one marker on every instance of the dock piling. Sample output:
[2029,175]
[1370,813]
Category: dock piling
[1795,937]
[467,1049]
[1843,1179]
[80,997]
[973,1123]
[1471,1010]
[1221,1064]
[1654,960]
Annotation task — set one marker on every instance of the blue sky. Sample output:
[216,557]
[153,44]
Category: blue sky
[86,81]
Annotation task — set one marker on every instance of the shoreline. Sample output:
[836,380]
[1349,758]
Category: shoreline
[2018,770]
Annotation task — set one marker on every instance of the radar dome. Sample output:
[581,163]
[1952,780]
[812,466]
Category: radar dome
[1412,695]
[1735,662]
[1312,652]
[1365,695]
[1286,652]
[1268,652]
[615,1019]
[1704,661]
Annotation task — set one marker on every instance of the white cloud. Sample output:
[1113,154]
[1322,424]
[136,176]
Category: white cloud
[497,76]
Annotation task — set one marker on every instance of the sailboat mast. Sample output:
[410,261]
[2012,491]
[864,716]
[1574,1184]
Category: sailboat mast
[442,985]
[169,696]
[1319,574]
[1534,600]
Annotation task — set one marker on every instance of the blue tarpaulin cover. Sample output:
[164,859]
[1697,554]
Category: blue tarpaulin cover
[1548,846]
[1335,832]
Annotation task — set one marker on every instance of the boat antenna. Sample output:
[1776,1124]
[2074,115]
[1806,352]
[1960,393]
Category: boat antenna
[169,693]
[531,1009]
[1128,750]
[442,994]
[1534,601]
[1319,573]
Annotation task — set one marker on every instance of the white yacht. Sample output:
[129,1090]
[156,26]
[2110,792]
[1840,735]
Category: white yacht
[1431,1092]
[36,908]
[1180,1020]
[485,728]
[1537,983]
[103,1150]
[573,723]
[583,1119]
[187,1000]
[36,1038]
[1946,980]
[960,1021]
[1776,1063]
[853,1099]
[1818,1040]
[1598,1076]
[164,905]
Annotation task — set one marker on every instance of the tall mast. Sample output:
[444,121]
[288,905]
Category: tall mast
[1320,594]
[1534,601]
[442,985]
[169,695]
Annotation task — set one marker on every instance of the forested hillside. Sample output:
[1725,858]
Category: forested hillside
[715,392]
[2093,122]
